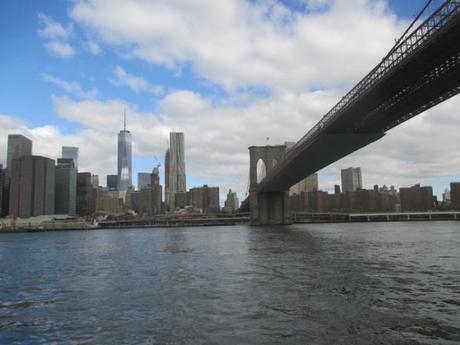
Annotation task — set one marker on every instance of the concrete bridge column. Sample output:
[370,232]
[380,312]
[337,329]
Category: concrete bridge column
[267,207]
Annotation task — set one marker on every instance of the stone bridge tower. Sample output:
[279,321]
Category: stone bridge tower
[267,207]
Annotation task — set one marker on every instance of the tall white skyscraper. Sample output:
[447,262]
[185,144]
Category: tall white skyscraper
[124,160]
[71,152]
[176,167]
[351,179]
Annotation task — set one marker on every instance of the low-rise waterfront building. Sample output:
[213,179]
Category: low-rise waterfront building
[109,206]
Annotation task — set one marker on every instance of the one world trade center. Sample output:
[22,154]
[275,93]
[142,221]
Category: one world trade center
[124,160]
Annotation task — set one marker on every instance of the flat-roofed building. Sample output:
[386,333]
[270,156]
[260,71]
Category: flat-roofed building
[71,152]
[416,198]
[66,187]
[455,195]
[18,146]
[31,186]
[86,195]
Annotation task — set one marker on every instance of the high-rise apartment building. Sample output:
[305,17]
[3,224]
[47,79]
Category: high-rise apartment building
[31,186]
[18,146]
[167,167]
[351,179]
[86,195]
[2,179]
[231,203]
[205,198]
[124,161]
[95,181]
[65,195]
[157,191]
[5,192]
[143,180]
[455,195]
[71,153]
[176,167]
[112,182]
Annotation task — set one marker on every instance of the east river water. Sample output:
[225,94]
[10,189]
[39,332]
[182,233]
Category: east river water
[368,283]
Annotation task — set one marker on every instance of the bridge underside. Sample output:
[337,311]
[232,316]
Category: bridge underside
[428,74]
[324,150]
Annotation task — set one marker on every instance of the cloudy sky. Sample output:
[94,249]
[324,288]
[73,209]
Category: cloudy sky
[228,73]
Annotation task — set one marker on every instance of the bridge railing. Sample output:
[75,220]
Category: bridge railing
[406,45]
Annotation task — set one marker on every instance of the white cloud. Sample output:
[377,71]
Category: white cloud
[236,43]
[94,47]
[51,29]
[241,45]
[73,88]
[56,37]
[134,82]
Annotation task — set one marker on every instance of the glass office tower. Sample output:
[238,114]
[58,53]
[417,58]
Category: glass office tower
[124,160]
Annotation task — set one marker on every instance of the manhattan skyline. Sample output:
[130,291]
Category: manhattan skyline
[168,84]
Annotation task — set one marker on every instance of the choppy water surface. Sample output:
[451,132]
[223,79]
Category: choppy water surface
[377,283]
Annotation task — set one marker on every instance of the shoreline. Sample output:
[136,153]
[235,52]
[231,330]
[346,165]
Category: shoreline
[298,218]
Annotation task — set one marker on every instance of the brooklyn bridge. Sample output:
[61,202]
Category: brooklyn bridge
[420,71]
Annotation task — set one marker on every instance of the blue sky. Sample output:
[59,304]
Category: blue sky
[214,71]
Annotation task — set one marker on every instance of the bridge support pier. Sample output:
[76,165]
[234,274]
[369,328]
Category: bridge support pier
[269,208]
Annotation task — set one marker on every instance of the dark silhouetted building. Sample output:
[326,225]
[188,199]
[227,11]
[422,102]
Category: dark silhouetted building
[336,189]
[5,192]
[65,195]
[455,195]
[205,198]
[31,186]
[416,199]
[167,190]
[112,181]
[86,195]
[2,180]
[157,191]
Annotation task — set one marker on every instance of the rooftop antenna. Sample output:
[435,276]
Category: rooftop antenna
[124,120]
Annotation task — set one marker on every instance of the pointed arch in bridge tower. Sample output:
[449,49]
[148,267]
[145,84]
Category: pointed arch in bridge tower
[267,207]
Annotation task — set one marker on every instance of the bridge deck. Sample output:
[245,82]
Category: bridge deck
[428,74]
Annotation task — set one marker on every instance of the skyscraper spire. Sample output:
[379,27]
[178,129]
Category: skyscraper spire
[124,120]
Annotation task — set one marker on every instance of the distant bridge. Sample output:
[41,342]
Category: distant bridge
[420,71]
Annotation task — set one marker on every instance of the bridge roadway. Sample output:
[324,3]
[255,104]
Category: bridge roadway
[420,72]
